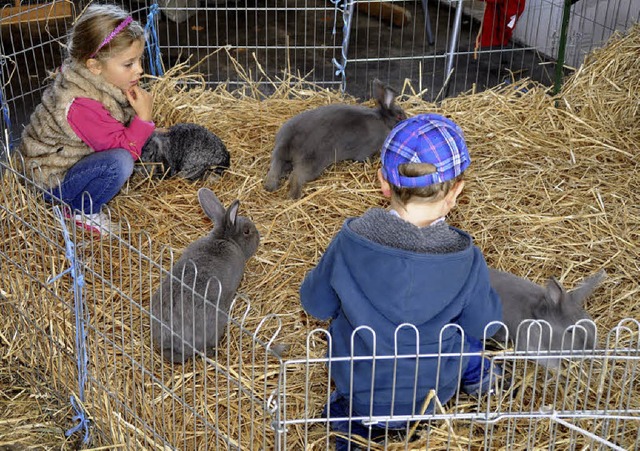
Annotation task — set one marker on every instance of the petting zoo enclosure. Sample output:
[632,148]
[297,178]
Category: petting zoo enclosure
[552,190]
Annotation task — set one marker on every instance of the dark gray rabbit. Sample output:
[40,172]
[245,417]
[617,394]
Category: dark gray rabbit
[310,141]
[213,266]
[186,150]
[524,300]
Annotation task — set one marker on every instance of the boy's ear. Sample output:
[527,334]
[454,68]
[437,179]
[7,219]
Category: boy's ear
[384,185]
[458,187]
[94,66]
[453,194]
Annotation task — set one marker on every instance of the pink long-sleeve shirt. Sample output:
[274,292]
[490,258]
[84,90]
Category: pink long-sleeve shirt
[95,126]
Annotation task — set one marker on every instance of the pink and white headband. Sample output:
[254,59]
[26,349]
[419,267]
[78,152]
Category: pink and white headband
[113,34]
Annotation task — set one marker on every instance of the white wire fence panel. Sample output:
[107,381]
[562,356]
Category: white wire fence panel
[253,40]
[238,42]
[41,313]
[80,316]
[431,44]
[589,402]
[30,50]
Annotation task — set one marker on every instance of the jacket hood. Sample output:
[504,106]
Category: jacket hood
[384,274]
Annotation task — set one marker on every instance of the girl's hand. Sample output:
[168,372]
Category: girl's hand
[141,101]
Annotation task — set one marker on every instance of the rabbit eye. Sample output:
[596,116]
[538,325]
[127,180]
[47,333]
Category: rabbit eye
[246,231]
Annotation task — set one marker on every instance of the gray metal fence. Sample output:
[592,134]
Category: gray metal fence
[82,317]
[80,309]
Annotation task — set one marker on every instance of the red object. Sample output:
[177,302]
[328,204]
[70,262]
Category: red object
[499,21]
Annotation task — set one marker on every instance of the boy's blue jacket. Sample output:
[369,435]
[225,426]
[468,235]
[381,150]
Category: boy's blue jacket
[359,282]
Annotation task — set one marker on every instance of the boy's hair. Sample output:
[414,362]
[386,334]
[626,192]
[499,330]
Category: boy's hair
[424,156]
[427,193]
[94,26]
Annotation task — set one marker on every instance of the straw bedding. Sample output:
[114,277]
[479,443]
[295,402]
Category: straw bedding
[552,190]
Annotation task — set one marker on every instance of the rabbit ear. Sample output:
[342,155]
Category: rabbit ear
[211,205]
[389,97]
[554,292]
[232,213]
[587,286]
[383,94]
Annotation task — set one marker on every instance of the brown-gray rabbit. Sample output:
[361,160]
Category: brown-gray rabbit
[210,267]
[524,300]
[186,150]
[310,141]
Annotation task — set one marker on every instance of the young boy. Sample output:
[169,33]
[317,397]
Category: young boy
[406,266]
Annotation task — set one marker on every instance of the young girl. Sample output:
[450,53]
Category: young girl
[83,139]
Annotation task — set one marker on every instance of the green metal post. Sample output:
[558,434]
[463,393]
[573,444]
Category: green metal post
[563,44]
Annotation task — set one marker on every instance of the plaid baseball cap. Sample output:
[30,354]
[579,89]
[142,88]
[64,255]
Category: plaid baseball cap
[425,138]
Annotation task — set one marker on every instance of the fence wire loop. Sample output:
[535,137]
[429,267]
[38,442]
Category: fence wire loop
[83,420]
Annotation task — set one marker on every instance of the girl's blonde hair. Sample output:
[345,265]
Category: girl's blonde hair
[94,25]
[429,193]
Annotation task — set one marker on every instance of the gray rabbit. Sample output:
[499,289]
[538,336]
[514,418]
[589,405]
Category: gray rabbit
[187,150]
[523,300]
[309,142]
[184,314]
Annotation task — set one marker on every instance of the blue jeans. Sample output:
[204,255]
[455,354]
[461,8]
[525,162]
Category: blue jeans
[474,374]
[338,406]
[101,175]
[473,378]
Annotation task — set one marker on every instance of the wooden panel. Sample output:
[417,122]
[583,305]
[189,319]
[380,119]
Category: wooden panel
[31,13]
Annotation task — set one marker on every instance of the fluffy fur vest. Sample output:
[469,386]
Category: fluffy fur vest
[49,145]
